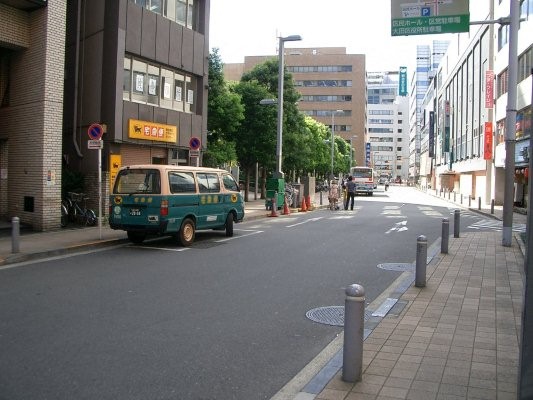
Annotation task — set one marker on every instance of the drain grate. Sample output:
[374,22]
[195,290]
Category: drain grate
[332,315]
[397,266]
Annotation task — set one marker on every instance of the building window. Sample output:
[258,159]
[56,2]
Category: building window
[126,80]
[181,11]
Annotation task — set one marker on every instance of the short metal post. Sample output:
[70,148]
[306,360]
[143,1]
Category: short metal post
[15,234]
[449,194]
[436,192]
[492,206]
[421,261]
[461,198]
[456,223]
[469,200]
[354,323]
[454,196]
[445,235]
[321,197]
[479,203]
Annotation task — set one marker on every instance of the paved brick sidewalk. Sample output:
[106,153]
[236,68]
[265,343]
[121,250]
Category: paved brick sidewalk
[457,338]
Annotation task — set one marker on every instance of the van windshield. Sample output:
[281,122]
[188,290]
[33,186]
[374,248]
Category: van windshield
[131,181]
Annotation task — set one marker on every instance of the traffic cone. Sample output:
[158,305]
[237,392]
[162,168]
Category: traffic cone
[274,208]
[308,202]
[286,210]
[304,206]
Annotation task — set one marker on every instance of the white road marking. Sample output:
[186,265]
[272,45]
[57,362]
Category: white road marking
[305,222]
[238,237]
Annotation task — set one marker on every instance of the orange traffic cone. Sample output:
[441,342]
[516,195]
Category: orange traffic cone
[286,210]
[274,208]
[304,206]
[308,202]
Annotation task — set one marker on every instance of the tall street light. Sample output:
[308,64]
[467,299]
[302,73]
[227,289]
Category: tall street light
[333,138]
[279,173]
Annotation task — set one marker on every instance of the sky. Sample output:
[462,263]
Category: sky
[240,28]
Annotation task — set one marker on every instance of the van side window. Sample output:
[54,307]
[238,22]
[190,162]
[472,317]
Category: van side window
[208,183]
[181,182]
[229,183]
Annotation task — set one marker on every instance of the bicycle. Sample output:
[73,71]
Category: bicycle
[77,213]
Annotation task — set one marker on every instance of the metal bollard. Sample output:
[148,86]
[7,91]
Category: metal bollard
[449,194]
[469,200]
[321,197]
[354,324]
[461,198]
[479,203]
[15,234]
[456,223]
[454,196]
[445,235]
[492,206]
[421,261]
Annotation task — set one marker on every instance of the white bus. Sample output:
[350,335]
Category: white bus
[363,177]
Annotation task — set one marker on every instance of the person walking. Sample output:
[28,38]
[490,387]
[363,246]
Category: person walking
[333,195]
[350,193]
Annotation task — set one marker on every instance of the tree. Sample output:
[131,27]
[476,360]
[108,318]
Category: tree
[225,113]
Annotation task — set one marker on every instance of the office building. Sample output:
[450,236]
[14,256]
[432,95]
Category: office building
[134,69]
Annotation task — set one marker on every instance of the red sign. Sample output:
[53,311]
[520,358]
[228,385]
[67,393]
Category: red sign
[194,143]
[95,131]
[489,89]
[487,152]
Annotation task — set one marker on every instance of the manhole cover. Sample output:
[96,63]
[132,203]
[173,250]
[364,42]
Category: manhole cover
[397,266]
[332,315]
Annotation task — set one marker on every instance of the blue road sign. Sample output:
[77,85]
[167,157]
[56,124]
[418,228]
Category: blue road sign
[95,131]
[426,11]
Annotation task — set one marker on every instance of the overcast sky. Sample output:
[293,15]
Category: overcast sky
[242,28]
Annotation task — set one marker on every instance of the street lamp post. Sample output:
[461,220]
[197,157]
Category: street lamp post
[279,173]
[333,139]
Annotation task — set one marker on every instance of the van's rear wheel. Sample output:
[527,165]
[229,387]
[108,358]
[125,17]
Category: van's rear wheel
[136,237]
[229,225]
[187,232]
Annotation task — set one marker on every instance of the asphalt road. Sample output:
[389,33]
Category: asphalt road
[224,319]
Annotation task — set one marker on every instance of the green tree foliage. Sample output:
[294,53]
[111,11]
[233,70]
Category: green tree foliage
[225,113]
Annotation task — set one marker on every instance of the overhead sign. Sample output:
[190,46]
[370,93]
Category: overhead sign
[95,131]
[195,143]
[146,130]
[429,17]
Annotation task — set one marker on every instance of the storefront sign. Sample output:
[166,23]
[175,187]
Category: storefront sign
[522,153]
[431,134]
[146,130]
[403,82]
[489,89]
[487,149]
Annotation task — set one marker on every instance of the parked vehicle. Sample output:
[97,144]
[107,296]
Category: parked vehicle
[363,178]
[174,200]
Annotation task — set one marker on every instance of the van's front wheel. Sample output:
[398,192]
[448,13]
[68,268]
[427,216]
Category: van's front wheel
[187,232]
[229,225]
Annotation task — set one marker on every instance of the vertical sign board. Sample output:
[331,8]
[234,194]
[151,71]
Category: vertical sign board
[489,89]
[487,149]
[367,154]
[447,127]
[429,17]
[402,90]
[431,134]
[115,162]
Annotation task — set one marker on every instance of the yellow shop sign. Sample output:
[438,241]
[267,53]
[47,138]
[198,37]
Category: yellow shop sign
[146,130]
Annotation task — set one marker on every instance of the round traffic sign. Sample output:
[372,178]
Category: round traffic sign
[195,143]
[95,131]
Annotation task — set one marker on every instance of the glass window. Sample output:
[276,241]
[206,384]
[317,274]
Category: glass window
[167,81]
[138,181]
[126,79]
[181,12]
[191,15]
[153,85]
[156,6]
[179,86]
[208,183]
[190,89]
[229,182]
[139,81]
[182,182]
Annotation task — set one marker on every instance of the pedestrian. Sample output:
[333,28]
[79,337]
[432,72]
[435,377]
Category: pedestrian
[350,193]
[333,195]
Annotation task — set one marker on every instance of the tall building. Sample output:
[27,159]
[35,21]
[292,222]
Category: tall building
[427,61]
[332,85]
[133,68]
[388,125]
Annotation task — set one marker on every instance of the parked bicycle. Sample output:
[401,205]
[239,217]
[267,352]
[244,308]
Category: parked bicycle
[72,209]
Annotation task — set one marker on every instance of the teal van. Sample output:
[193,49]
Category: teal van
[174,200]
